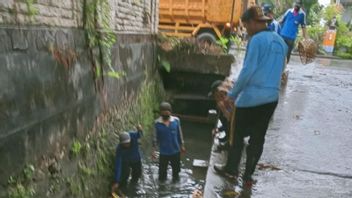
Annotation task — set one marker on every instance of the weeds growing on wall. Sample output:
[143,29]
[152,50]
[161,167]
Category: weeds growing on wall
[96,167]
[32,11]
[100,38]
[21,186]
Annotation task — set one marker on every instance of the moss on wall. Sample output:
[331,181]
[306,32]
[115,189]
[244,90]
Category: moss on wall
[89,162]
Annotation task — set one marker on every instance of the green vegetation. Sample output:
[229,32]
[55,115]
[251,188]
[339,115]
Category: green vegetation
[223,42]
[316,31]
[20,191]
[100,35]
[237,41]
[164,63]
[75,148]
[343,45]
[32,11]
[95,161]
[343,42]
[21,186]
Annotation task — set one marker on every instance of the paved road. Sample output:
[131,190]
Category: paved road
[310,138]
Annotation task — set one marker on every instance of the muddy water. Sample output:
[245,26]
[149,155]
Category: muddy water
[198,143]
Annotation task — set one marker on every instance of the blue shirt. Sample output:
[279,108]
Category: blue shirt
[274,26]
[125,156]
[260,77]
[170,137]
[291,22]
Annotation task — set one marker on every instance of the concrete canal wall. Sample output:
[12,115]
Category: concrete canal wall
[50,92]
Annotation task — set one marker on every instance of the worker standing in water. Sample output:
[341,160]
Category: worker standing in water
[168,135]
[127,160]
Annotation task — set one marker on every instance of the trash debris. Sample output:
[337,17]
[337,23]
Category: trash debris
[200,163]
[262,166]
[230,193]
[197,194]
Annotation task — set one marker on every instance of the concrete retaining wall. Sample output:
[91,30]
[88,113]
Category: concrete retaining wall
[48,95]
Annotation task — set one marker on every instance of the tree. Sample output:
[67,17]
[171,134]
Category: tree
[307,5]
[315,14]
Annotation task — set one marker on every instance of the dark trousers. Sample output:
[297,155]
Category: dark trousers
[127,168]
[290,45]
[174,161]
[252,122]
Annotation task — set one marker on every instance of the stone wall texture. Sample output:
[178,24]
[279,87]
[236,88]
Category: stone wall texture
[127,16]
[48,95]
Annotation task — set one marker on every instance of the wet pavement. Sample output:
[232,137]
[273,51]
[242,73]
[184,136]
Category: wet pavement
[308,149]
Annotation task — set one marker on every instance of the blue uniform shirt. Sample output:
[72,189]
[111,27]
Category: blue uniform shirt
[170,137]
[260,77]
[127,155]
[274,26]
[291,22]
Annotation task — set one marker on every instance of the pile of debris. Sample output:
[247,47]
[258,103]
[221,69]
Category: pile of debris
[189,46]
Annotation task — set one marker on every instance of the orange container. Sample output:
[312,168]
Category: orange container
[329,41]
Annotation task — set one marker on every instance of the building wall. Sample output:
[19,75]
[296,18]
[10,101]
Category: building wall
[127,16]
[48,94]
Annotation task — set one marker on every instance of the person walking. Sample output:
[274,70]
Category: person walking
[273,25]
[128,159]
[290,23]
[169,137]
[255,93]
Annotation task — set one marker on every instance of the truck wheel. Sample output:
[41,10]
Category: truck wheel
[206,37]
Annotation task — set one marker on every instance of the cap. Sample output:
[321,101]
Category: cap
[125,138]
[267,8]
[165,106]
[254,13]
[214,86]
[298,3]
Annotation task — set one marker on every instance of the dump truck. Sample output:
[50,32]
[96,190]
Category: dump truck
[205,19]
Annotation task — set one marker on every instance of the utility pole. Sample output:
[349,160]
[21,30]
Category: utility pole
[231,20]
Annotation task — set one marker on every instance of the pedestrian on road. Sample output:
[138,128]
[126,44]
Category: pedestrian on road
[128,159]
[290,23]
[255,93]
[168,135]
[274,25]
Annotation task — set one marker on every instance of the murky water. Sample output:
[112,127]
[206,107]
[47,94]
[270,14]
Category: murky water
[198,143]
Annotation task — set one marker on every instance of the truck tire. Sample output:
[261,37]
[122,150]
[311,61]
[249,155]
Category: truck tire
[207,37]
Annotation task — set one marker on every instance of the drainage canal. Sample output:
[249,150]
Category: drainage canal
[187,87]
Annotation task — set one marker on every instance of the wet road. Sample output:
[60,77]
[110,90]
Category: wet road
[310,137]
